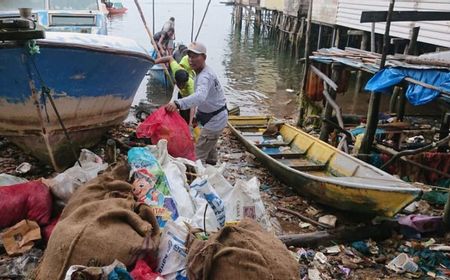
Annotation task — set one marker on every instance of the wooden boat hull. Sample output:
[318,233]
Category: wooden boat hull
[92,78]
[378,193]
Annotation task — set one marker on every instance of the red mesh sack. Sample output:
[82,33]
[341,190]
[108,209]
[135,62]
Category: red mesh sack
[172,127]
[30,200]
[143,272]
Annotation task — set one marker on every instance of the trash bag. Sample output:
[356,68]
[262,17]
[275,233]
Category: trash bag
[172,254]
[150,184]
[30,201]
[244,251]
[66,183]
[7,180]
[101,223]
[203,189]
[143,272]
[244,201]
[116,270]
[172,127]
[175,171]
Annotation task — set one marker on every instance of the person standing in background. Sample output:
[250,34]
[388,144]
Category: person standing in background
[210,101]
[168,25]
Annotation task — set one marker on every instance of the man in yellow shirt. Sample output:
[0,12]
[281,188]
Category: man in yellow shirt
[184,81]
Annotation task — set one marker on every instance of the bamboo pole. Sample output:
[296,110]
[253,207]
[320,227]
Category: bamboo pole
[306,65]
[149,33]
[203,18]
[304,218]
[431,146]
[192,21]
[374,104]
[153,16]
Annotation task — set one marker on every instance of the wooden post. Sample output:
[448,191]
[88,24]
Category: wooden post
[394,100]
[319,37]
[446,217]
[359,74]
[306,64]
[328,111]
[445,126]
[398,98]
[372,38]
[374,103]
[412,47]
[401,103]
[258,16]
[337,40]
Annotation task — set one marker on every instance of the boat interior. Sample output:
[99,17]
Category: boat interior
[303,152]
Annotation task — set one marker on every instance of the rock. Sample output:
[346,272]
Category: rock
[328,220]
[314,274]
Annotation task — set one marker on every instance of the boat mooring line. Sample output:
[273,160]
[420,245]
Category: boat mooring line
[150,35]
[46,91]
[203,18]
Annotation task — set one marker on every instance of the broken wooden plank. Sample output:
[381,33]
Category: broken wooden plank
[343,235]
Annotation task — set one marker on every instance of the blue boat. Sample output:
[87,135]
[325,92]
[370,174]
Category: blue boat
[157,73]
[92,80]
[86,16]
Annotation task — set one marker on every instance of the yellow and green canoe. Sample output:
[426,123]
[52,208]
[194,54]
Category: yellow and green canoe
[320,171]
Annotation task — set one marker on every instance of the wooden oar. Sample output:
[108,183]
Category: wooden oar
[153,41]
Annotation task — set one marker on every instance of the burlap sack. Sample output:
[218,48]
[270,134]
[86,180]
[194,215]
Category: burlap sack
[101,222]
[244,251]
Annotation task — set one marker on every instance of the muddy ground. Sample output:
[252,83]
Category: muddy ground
[349,263]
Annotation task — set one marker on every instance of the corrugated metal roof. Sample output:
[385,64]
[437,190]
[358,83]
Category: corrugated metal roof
[436,33]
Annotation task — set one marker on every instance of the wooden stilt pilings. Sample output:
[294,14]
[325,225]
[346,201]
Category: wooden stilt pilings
[327,113]
[306,64]
[374,103]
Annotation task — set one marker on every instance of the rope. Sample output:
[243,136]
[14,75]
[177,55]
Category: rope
[203,18]
[149,33]
[192,23]
[46,91]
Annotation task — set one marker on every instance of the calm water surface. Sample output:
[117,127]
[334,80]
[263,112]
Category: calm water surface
[257,76]
[254,74]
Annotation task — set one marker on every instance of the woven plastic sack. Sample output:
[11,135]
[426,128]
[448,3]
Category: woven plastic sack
[143,272]
[30,200]
[172,127]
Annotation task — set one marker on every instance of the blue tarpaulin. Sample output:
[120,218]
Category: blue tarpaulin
[385,79]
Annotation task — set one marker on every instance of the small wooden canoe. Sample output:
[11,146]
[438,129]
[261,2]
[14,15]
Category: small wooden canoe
[320,171]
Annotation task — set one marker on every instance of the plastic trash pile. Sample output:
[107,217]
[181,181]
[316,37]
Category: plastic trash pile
[187,200]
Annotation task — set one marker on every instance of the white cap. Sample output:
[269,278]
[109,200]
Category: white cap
[197,48]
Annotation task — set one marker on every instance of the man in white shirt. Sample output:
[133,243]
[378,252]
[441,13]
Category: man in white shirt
[168,25]
[210,101]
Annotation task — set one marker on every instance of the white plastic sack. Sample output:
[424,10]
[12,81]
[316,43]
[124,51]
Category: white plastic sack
[218,181]
[176,176]
[200,220]
[205,191]
[172,253]
[66,183]
[245,201]
[102,272]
